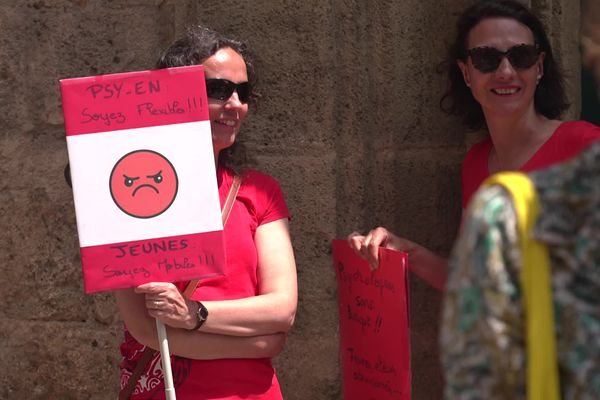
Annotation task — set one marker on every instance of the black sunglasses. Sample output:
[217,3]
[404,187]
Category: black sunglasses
[222,89]
[487,59]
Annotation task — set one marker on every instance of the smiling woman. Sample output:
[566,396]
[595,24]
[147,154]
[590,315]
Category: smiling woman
[224,331]
[226,75]
[502,87]
[502,77]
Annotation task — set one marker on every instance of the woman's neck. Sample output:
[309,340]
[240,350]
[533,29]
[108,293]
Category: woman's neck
[516,140]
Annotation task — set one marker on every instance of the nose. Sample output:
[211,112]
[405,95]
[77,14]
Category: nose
[505,70]
[233,101]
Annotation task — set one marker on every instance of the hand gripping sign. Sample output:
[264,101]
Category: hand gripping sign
[374,325]
[144,180]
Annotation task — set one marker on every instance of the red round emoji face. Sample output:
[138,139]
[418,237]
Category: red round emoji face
[143,184]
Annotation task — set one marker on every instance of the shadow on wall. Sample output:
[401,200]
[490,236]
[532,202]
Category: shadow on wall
[590,49]
[590,102]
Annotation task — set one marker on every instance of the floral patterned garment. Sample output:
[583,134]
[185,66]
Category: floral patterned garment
[483,332]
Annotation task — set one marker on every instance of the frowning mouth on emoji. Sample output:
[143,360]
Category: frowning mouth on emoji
[143,184]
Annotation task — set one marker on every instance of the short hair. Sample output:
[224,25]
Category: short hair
[198,44]
[550,98]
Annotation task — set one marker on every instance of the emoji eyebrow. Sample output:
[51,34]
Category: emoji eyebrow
[135,178]
[156,174]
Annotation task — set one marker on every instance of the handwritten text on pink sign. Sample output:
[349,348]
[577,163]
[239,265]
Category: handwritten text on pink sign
[374,322]
[133,100]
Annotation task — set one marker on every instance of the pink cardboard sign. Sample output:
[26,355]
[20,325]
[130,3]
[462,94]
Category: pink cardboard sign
[143,175]
[134,100]
[374,325]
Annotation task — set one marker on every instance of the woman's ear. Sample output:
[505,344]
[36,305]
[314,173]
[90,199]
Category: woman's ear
[540,65]
[465,72]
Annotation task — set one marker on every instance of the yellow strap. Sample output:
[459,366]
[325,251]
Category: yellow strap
[542,365]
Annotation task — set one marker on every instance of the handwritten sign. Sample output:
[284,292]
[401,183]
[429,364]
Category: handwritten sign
[134,100]
[374,325]
[144,180]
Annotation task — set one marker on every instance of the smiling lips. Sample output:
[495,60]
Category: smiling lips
[505,91]
[226,122]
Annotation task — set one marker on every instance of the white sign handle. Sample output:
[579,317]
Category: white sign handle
[166,360]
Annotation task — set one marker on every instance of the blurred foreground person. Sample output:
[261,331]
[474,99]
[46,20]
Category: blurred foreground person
[521,315]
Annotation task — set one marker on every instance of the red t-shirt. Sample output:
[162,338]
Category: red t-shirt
[259,201]
[569,139]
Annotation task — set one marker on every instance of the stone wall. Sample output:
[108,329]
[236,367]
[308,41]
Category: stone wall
[348,123]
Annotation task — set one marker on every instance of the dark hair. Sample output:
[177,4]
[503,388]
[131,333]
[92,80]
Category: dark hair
[550,98]
[198,44]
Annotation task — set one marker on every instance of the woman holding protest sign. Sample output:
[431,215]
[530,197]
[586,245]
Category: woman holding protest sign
[224,331]
[503,77]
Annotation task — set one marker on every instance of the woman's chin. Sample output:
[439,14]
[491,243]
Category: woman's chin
[221,142]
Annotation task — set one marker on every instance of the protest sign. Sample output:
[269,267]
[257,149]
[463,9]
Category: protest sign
[374,325]
[143,174]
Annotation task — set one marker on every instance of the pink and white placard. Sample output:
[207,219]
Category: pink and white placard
[143,175]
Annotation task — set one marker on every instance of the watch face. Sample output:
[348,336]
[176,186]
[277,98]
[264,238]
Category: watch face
[202,311]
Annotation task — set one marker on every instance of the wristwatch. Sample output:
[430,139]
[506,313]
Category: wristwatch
[201,315]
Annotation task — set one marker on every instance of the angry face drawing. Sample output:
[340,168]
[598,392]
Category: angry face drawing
[143,184]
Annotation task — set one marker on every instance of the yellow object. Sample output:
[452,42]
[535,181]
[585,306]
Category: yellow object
[542,365]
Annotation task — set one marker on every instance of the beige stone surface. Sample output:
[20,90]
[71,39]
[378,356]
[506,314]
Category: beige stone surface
[348,123]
